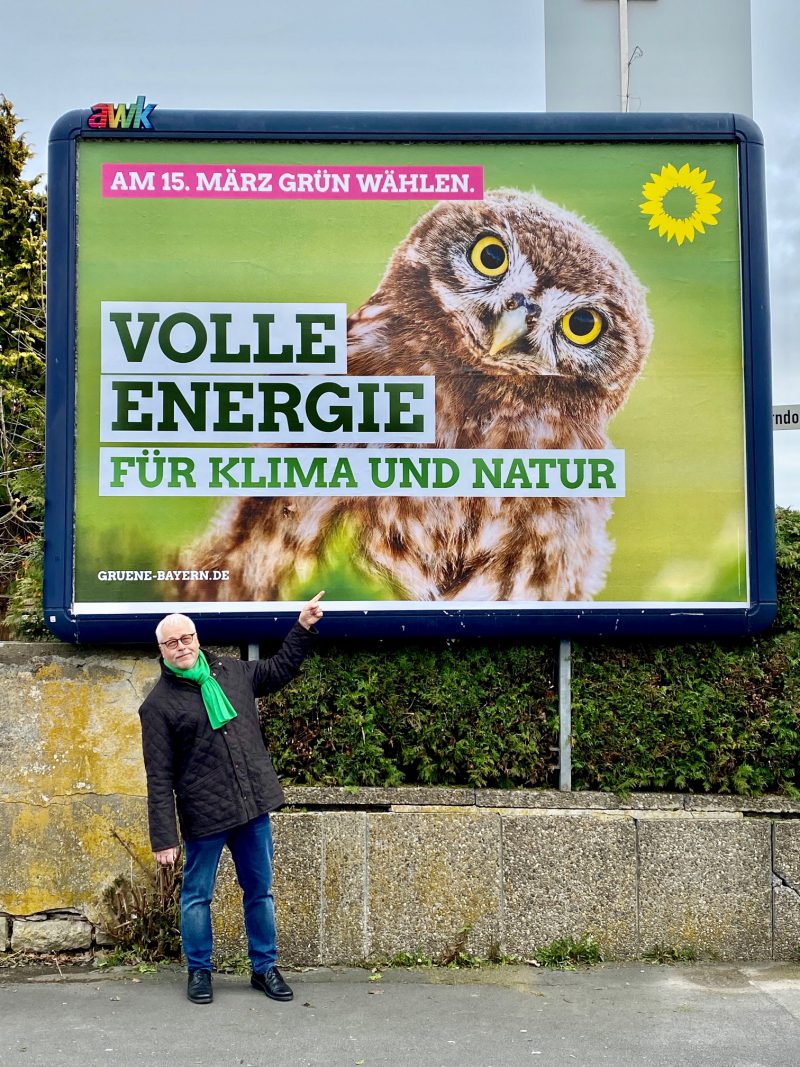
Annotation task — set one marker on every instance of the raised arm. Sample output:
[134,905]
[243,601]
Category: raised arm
[274,673]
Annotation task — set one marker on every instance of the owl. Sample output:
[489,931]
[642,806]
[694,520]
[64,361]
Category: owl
[535,329]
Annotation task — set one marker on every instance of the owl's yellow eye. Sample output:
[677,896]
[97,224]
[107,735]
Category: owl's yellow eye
[582,326]
[489,256]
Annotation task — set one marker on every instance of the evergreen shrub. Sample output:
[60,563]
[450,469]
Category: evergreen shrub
[451,713]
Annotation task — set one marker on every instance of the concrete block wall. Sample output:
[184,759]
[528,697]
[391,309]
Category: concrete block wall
[408,870]
[367,874]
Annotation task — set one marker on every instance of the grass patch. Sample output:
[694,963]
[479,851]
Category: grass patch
[567,953]
[670,954]
[124,957]
[236,963]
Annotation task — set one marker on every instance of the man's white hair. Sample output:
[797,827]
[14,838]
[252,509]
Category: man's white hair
[173,618]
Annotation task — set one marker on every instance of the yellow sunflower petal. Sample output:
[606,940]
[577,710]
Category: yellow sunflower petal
[692,179]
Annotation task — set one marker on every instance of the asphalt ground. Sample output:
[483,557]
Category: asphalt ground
[725,1015]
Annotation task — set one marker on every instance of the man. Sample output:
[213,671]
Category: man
[204,754]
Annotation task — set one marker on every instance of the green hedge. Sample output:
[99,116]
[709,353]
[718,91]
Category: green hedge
[705,717]
[691,718]
[455,714]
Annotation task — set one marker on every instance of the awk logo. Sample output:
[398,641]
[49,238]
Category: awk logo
[122,116]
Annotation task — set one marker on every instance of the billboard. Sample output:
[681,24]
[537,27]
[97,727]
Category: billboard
[468,374]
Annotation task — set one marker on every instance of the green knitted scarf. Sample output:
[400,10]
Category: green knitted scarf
[219,708]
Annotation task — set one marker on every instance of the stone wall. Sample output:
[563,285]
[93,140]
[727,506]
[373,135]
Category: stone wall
[406,870]
[368,874]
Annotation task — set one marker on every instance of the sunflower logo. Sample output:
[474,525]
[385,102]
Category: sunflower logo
[680,202]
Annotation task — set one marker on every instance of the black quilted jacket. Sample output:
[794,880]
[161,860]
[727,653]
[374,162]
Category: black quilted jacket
[221,778]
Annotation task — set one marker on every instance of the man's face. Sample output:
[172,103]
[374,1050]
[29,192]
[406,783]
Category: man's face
[183,656]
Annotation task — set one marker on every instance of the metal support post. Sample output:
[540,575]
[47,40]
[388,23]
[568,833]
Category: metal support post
[565,715]
[624,65]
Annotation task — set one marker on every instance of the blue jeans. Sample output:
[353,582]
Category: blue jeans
[250,846]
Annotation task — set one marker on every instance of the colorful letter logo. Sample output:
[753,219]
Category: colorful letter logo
[122,116]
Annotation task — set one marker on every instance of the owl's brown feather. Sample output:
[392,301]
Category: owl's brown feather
[435,313]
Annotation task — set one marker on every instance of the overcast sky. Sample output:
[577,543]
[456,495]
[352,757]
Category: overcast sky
[443,55]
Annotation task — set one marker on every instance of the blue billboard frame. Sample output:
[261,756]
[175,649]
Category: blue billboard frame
[582,622]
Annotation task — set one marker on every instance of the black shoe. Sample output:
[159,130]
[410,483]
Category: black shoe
[272,984]
[199,990]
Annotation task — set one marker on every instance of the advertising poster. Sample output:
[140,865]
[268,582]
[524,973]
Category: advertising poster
[421,376]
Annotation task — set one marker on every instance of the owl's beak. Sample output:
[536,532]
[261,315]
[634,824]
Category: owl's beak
[510,327]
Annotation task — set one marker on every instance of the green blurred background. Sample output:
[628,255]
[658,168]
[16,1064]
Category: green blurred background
[680,531]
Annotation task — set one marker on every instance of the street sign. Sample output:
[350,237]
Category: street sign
[786,418]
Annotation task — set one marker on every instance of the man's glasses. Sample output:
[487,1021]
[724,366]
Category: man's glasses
[184,639]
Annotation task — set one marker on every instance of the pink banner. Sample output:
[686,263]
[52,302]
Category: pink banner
[217,181]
